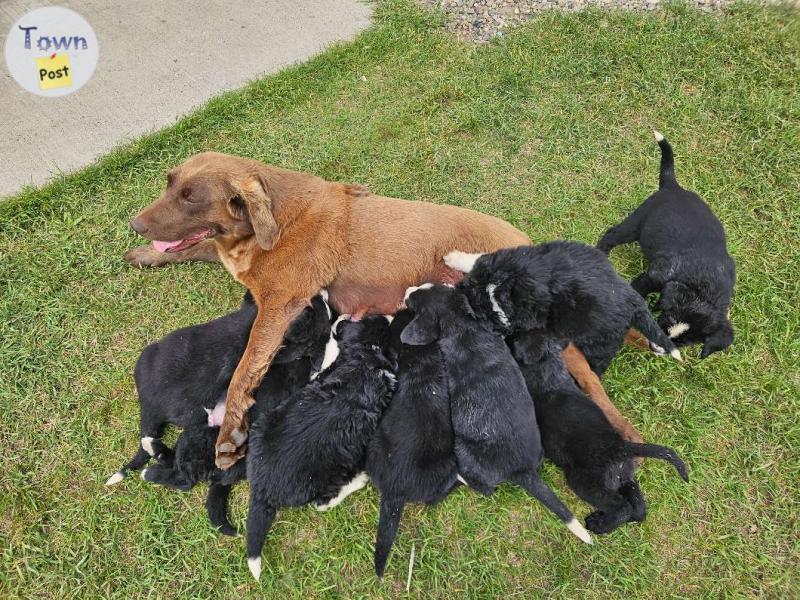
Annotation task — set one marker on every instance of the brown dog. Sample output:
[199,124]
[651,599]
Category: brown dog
[284,235]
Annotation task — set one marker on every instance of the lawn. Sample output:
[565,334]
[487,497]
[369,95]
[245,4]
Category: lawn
[547,127]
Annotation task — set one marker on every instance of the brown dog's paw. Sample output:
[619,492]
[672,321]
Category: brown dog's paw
[145,256]
[231,445]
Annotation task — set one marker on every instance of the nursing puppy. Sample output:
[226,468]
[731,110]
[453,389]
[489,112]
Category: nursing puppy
[192,463]
[496,438]
[597,462]
[567,289]
[182,378]
[312,447]
[411,457]
[687,260]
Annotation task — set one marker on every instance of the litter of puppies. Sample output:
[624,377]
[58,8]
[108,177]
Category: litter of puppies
[466,385]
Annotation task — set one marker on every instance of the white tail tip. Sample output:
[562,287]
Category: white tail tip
[254,564]
[580,531]
[461,261]
[657,135]
[676,354]
[115,478]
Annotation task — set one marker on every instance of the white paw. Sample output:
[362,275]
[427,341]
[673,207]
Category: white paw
[461,261]
[115,478]
[147,444]
[579,530]
[254,564]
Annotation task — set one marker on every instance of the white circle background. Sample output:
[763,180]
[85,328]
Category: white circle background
[51,21]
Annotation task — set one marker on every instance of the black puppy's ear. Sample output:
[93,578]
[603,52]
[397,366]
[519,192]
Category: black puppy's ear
[719,340]
[423,330]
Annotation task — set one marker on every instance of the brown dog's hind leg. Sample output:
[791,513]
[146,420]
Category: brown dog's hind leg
[637,340]
[148,256]
[590,383]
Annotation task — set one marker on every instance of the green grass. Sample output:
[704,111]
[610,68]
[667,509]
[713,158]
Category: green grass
[549,128]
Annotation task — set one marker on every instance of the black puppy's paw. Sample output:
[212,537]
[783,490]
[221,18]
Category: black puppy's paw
[601,522]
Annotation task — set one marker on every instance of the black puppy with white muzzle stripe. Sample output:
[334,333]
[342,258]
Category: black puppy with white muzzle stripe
[567,290]
[496,438]
[687,260]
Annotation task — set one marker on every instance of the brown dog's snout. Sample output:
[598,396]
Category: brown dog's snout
[138,226]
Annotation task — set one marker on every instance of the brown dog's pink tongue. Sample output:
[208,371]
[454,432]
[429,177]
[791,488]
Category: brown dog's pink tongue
[164,246]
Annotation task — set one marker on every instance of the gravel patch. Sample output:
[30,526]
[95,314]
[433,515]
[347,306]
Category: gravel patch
[481,20]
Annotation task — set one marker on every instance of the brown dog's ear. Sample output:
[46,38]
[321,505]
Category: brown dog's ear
[258,203]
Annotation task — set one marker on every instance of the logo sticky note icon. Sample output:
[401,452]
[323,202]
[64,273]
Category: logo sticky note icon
[54,71]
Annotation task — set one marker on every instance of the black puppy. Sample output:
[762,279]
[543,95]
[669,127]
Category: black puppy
[313,446]
[182,379]
[496,438]
[687,260]
[193,459]
[193,462]
[567,289]
[411,457]
[577,437]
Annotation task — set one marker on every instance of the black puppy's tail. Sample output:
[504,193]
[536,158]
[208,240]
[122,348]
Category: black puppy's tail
[537,488]
[391,513]
[140,459]
[660,343]
[259,520]
[632,450]
[666,175]
[217,507]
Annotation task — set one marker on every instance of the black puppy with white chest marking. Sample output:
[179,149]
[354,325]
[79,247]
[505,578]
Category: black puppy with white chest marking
[193,459]
[567,289]
[312,448]
[597,463]
[687,260]
[181,380]
[496,438]
[411,457]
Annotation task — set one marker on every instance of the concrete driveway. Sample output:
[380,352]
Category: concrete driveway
[158,60]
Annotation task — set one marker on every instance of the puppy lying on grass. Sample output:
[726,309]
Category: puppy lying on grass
[495,435]
[312,448]
[182,379]
[578,438]
[566,289]
[687,260]
[411,457]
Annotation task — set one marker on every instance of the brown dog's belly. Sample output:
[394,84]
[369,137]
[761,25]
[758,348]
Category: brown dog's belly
[356,299]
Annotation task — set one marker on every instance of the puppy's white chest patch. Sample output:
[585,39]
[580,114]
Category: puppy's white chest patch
[677,329]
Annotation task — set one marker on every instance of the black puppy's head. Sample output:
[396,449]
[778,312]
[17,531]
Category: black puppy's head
[372,332]
[688,318]
[308,334]
[437,309]
[503,289]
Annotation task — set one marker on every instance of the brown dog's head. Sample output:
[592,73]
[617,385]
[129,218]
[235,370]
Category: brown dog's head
[211,195]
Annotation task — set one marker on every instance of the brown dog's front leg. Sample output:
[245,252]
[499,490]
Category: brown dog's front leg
[266,336]
[590,383]
[148,256]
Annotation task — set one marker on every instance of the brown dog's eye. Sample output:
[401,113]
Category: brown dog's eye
[186,194]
